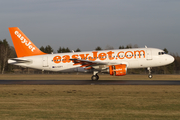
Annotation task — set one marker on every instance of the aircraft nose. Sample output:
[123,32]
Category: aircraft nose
[171,59]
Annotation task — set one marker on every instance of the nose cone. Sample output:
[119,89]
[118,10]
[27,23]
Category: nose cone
[170,59]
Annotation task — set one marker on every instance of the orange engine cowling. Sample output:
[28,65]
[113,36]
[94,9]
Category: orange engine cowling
[118,70]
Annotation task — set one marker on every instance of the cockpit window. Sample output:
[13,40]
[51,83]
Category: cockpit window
[161,53]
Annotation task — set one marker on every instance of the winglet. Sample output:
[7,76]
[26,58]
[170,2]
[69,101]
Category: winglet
[23,45]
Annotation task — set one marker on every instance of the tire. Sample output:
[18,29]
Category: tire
[150,76]
[94,77]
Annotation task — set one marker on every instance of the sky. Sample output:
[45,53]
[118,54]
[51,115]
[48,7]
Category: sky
[86,24]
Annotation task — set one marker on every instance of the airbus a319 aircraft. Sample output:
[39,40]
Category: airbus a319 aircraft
[115,62]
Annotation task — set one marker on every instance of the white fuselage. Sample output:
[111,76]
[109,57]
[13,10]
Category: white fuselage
[133,58]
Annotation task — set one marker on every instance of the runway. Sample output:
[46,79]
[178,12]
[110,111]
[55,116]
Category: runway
[89,82]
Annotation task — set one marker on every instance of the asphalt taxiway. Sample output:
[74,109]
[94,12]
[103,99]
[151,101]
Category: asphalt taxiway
[89,82]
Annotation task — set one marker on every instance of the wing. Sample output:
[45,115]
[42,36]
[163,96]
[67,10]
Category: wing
[89,64]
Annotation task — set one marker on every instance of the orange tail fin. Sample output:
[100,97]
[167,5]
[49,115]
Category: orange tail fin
[23,45]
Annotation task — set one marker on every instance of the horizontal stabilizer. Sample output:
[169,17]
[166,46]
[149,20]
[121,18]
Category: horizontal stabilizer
[17,60]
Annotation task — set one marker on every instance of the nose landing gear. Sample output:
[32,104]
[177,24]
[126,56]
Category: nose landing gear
[150,75]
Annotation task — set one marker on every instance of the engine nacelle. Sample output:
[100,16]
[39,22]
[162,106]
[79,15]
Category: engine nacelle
[118,70]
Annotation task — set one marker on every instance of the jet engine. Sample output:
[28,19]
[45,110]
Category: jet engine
[118,70]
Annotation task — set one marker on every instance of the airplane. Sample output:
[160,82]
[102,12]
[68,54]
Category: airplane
[115,62]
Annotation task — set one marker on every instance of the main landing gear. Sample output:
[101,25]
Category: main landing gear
[95,76]
[150,75]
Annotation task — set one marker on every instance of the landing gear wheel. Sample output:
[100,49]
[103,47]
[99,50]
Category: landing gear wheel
[98,77]
[94,77]
[150,76]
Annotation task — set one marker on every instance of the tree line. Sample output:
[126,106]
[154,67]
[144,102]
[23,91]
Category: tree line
[7,51]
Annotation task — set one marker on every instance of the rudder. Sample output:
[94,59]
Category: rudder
[22,44]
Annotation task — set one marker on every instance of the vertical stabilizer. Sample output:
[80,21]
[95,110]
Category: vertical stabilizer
[22,44]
